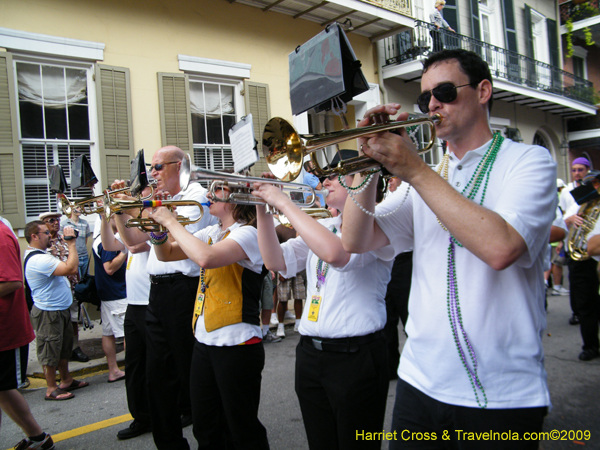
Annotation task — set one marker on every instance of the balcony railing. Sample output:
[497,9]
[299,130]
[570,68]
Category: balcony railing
[511,66]
[578,10]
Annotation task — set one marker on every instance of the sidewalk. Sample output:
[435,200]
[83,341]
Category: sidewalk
[90,342]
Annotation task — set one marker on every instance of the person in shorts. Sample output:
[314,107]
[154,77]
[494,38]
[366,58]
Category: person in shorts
[50,316]
[16,335]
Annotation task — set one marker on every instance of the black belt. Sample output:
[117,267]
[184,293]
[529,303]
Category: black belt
[343,345]
[168,278]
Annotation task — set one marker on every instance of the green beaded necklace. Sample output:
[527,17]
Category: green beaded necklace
[482,172]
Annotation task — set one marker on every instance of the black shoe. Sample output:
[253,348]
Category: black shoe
[186,420]
[586,355]
[135,429]
[574,320]
[78,355]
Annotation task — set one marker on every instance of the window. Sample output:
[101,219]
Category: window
[54,125]
[213,109]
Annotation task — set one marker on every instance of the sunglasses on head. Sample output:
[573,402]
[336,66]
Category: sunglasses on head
[161,166]
[445,93]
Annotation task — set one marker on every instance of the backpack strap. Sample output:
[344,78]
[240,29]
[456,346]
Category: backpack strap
[28,295]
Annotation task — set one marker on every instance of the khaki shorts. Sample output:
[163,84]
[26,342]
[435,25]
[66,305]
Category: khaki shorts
[295,286]
[54,335]
[113,315]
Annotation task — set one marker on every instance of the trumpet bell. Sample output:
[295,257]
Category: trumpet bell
[282,148]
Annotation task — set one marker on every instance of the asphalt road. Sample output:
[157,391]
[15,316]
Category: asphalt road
[92,419]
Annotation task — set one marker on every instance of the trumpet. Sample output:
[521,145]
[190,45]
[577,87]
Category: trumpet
[147,224]
[284,149]
[189,173]
[315,213]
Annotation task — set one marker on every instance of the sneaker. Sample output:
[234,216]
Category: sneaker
[563,290]
[274,320]
[574,320]
[271,338]
[27,444]
[280,331]
[555,292]
[296,326]
[289,316]
[135,429]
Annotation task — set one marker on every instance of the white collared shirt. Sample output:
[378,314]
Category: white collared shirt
[502,311]
[187,267]
[353,296]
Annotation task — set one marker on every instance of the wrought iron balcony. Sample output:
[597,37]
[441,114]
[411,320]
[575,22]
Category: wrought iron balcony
[504,64]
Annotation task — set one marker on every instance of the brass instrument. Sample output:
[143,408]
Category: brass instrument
[189,173]
[284,149]
[315,213]
[147,224]
[88,205]
[577,237]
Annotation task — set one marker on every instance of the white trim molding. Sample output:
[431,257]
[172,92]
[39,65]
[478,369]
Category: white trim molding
[586,134]
[25,41]
[213,67]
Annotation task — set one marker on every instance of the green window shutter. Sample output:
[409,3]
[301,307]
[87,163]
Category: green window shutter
[528,32]
[175,112]
[451,15]
[475,27]
[114,123]
[256,99]
[12,199]
[513,69]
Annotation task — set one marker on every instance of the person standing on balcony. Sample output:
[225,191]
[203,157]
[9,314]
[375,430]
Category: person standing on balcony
[438,22]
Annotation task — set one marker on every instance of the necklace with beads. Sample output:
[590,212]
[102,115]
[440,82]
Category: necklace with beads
[480,177]
[322,269]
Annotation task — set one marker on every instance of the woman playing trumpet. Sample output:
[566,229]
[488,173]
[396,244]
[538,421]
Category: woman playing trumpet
[341,359]
[228,355]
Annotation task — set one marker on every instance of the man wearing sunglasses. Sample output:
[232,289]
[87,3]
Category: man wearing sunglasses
[59,249]
[173,286]
[50,316]
[480,226]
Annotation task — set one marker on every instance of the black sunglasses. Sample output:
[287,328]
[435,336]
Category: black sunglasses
[445,93]
[159,167]
[52,220]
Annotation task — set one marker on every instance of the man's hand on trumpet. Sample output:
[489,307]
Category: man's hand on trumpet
[162,215]
[397,153]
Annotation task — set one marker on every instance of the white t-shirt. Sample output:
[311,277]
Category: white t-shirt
[196,192]
[560,223]
[247,238]
[353,296]
[502,310]
[136,277]
[566,200]
[49,292]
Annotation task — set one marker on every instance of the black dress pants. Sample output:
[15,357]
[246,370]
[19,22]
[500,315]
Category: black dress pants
[135,363]
[396,307]
[421,422]
[225,394]
[169,345]
[583,284]
[342,394]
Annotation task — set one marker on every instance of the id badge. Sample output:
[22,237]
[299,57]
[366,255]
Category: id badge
[313,311]
[199,305]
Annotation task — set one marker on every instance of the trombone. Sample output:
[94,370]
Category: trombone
[284,149]
[190,173]
[147,224]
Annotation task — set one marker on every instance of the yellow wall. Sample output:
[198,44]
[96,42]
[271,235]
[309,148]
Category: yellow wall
[146,36]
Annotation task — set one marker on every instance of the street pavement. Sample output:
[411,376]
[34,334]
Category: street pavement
[92,419]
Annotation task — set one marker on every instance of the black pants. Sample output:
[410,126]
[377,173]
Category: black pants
[135,363]
[421,422]
[169,345]
[396,306]
[342,394]
[583,285]
[225,396]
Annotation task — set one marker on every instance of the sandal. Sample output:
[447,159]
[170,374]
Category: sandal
[75,384]
[54,395]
